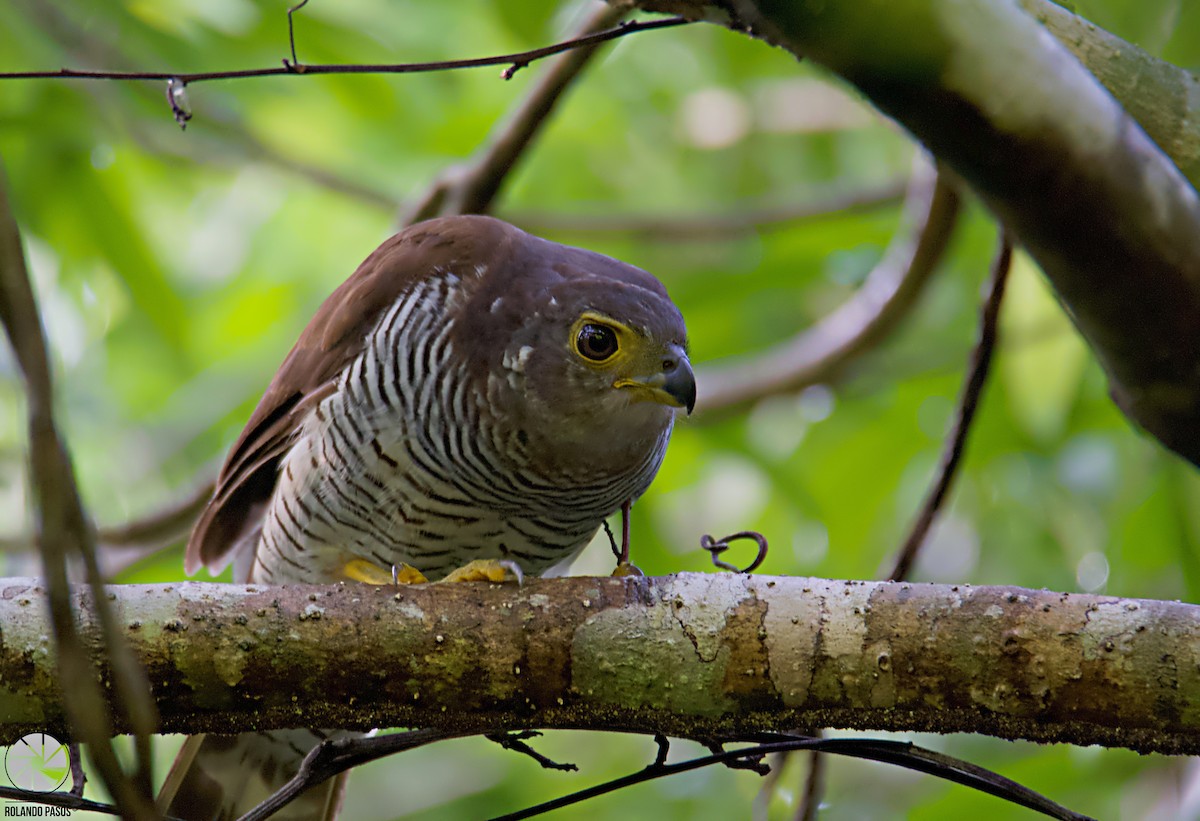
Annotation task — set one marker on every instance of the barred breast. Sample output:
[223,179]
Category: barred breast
[410,460]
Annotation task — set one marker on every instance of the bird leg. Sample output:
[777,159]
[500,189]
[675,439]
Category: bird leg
[624,566]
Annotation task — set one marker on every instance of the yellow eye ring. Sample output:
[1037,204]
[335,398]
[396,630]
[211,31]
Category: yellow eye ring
[596,342]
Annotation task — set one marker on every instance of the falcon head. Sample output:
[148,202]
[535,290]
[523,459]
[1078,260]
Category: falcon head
[584,354]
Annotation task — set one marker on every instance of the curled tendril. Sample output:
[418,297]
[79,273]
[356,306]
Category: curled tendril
[716,547]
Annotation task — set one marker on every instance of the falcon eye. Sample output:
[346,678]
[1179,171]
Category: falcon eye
[596,342]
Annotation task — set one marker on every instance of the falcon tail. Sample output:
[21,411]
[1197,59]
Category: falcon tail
[221,778]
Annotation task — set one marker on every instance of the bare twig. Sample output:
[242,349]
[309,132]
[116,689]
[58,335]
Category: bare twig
[66,800]
[78,777]
[754,763]
[664,749]
[890,292]
[292,29]
[64,529]
[968,403]
[472,188]
[740,220]
[515,741]
[814,786]
[716,547]
[899,753]
[517,59]
[334,756]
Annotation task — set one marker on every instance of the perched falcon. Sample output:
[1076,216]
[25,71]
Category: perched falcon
[470,396]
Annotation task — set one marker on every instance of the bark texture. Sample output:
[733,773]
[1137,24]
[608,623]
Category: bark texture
[696,655]
[1111,220]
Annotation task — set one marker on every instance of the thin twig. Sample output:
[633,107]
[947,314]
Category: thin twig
[292,29]
[64,529]
[754,763]
[519,59]
[716,547]
[473,187]
[78,777]
[515,741]
[335,756]
[814,786]
[66,800]
[892,752]
[889,294]
[664,749]
[968,404]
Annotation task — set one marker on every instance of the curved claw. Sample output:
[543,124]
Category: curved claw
[627,569]
[488,570]
[360,570]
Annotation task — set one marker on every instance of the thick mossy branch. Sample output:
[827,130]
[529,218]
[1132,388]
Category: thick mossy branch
[693,655]
[1110,218]
[1161,96]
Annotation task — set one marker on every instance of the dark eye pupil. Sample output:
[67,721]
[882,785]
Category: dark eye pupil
[597,342]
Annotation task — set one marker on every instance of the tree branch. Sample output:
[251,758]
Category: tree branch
[1111,220]
[1162,97]
[889,293]
[63,530]
[968,403]
[471,188]
[738,220]
[514,61]
[693,655]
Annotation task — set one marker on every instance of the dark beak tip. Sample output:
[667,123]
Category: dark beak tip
[682,385]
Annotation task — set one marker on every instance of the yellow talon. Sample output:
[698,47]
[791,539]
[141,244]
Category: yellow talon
[487,570]
[360,570]
[407,574]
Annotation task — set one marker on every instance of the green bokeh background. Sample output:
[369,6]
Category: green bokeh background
[175,268]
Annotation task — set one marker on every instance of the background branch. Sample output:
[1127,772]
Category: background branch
[968,404]
[471,188]
[889,294]
[64,529]
[741,219]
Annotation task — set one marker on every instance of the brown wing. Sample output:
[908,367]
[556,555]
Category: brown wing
[332,340]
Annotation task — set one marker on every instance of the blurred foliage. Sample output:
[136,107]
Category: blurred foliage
[175,268]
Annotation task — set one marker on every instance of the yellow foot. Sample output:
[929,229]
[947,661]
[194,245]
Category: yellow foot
[360,570]
[487,570]
[628,569]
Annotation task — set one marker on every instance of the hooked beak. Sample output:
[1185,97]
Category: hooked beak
[673,385]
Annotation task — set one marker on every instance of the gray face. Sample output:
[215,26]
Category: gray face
[597,370]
